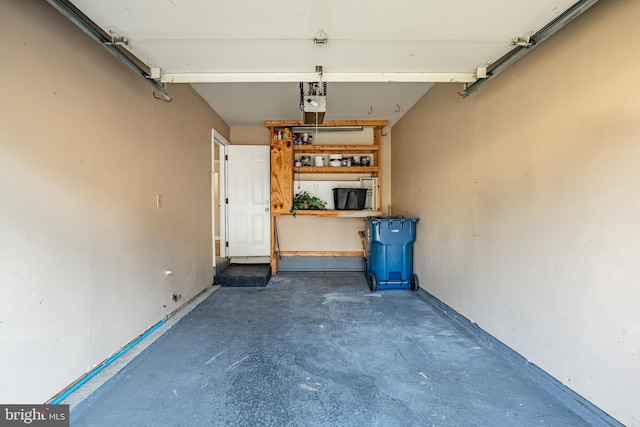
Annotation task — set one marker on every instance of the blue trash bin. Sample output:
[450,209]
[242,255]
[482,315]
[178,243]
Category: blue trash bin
[389,252]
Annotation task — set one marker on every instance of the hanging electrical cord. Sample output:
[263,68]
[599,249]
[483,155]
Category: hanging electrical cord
[324,93]
[316,137]
[161,98]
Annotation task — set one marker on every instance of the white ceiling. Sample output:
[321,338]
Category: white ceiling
[380,58]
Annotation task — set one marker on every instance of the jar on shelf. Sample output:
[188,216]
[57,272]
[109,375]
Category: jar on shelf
[335,160]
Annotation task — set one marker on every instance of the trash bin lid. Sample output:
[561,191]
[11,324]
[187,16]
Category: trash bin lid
[390,218]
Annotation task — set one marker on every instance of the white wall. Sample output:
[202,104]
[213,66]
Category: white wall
[528,197]
[84,149]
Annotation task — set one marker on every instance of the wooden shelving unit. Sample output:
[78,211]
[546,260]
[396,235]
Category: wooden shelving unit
[341,169]
[283,171]
[335,213]
[338,149]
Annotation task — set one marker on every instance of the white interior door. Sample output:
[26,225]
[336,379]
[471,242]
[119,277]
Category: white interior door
[249,196]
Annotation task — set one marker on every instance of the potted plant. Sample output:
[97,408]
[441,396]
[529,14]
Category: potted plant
[304,201]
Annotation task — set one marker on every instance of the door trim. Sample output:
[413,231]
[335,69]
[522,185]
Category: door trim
[219,143]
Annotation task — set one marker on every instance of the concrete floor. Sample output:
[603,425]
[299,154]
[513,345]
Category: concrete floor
[322,350]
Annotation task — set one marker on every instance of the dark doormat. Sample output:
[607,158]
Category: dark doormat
[244,275]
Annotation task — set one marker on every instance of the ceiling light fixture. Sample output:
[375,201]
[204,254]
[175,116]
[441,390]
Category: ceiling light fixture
[320,37]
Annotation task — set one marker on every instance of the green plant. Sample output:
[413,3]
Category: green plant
[304,200]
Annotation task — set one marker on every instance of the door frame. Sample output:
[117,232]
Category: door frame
[219,143]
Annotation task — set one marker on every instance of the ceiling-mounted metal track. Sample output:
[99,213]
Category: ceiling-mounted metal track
[103,38]
[522,49]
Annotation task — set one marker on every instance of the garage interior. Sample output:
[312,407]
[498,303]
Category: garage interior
[524,188]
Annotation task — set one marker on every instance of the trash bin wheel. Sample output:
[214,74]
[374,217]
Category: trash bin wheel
[373,283]
[414,282]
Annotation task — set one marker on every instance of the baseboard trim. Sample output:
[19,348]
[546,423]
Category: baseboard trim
[250,260]
[572,400]
[320,263]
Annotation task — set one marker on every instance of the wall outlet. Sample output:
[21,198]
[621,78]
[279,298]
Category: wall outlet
[158,200]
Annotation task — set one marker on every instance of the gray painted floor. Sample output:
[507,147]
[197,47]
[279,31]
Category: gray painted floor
[322,350]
